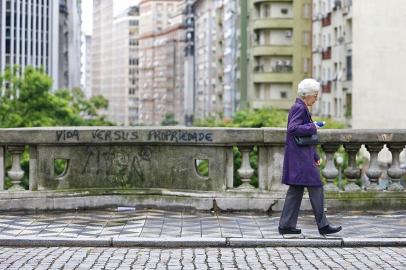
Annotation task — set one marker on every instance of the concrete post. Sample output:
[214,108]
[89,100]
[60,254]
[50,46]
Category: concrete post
[374,172]
[352,172]
[16,173]
[330,171]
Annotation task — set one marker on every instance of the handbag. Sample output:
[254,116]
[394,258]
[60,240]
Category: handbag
[307,140]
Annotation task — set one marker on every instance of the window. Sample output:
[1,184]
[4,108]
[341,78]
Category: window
[306,38]
[349,68]
[284,95]
[306,11]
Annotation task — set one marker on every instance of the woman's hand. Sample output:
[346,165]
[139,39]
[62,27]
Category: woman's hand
[318,162]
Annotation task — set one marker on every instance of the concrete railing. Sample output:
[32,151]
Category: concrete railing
[163,162]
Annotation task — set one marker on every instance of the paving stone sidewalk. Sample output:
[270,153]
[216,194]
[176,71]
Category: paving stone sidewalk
[163,224]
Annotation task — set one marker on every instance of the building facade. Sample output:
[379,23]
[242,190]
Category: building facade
[114,69]
[29,35]
[332,58]
[358,50]
[161,61]
[87,85]
[215,58]
[42,34]
[69,64]
[206,69]
[124,89]
[279,51]
[102,54]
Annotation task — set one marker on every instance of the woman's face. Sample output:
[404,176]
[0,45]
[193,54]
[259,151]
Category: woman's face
[311,99]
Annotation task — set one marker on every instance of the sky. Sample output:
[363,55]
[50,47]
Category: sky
[87,12]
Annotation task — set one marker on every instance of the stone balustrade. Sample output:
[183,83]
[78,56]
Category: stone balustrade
[158,166]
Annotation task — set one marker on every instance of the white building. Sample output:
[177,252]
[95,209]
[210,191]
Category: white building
[362,71]
[42,34]
[114,67]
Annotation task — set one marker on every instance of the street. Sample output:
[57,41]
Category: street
[203,258]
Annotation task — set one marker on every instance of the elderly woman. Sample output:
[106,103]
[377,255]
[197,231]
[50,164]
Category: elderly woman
[300,166]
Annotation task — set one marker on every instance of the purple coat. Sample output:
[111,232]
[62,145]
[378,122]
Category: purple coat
[299,164]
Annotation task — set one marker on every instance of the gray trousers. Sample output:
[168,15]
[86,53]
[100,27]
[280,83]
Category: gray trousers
[293,200]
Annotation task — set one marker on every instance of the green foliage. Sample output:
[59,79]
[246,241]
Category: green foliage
[249,119]
[28,102]
[169,120]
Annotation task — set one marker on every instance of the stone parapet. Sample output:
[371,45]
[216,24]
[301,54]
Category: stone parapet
[197,165]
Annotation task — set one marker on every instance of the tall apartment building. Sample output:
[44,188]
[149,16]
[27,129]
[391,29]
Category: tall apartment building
[115,60]
[161,60]
[228,99]
[358,46]
[102,53]
[279,51]
[215,58]
[206,70]
[125,67]
[69,64]
[42,34]
[332,58]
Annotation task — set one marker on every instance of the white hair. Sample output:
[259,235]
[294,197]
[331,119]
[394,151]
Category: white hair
[307,87]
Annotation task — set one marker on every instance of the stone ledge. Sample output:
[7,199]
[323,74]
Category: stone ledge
[230,200]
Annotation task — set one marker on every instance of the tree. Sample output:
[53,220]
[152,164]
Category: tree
[169,120]
[27,101]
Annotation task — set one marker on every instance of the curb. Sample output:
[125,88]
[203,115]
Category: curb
[199,242]
[55,242]
[374,242]
[283,242]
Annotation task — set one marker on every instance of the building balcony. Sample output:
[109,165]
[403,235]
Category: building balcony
[326,21]
[326,54]
[267,77]
[257,2]
[261,50]
[326,87]
[269,23]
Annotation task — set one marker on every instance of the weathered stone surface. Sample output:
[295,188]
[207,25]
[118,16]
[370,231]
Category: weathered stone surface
[132,167]
[130,135]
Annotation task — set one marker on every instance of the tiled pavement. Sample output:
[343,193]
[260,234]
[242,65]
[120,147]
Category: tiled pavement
[155,224]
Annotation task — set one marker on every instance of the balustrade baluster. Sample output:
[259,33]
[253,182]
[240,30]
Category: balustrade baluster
[246,171]
[352,172]
[395,172]
[330,171]
[16,173]
[373,172]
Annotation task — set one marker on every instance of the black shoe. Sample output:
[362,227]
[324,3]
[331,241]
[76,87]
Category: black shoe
[329,229]
[289,230]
